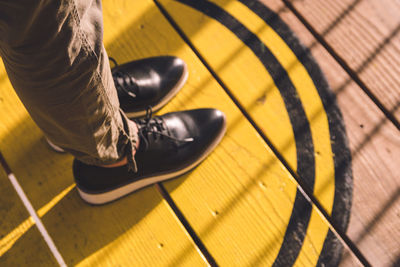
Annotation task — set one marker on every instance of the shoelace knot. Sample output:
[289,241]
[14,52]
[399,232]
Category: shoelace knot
[156,129]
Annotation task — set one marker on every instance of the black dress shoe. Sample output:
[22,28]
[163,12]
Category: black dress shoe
[170,145]
[148,82]
[144,83]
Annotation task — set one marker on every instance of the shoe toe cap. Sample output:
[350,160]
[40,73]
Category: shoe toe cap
[207,125]
[173,70]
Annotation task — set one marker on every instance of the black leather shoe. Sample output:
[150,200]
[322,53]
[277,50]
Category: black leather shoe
[170,145]
[148,82]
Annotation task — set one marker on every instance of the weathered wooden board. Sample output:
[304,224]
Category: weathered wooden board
[366,34]
[20,241]
[214,197]
[375,147]
[258,90]
[253,90]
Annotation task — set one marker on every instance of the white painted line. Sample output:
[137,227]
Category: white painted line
[37,220]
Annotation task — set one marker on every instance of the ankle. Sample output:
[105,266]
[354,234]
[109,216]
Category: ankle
[124,161]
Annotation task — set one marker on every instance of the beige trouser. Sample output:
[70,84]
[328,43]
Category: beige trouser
[54,56]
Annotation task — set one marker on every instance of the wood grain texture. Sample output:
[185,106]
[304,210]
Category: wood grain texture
[366,34]
[20,241]
[375,147]
[254,88]
[218,200]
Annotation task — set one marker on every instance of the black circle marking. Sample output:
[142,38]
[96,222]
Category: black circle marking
[301,213]
[331,251]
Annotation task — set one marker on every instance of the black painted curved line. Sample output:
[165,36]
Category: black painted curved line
[331,251]
[301,213]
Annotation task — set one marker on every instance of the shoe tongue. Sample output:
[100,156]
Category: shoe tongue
[151,133]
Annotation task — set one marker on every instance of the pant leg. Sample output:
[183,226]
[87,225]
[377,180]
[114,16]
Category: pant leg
[54,56]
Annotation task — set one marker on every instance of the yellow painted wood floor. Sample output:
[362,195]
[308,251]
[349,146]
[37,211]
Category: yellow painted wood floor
[239,202]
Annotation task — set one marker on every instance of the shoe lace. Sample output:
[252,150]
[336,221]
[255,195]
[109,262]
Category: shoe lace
[124,82]
[155,128]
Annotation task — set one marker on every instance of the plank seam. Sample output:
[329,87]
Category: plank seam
[343,64]
[199,244]
[301,183]
[32,212]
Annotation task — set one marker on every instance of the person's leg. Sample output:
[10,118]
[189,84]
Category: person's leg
[55,59]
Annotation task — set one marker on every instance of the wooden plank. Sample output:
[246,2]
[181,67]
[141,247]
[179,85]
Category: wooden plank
[20,241]
[231,60]
[255,92]
[259,94]
[375,148]
[366,34]
[230,205]
[140,230]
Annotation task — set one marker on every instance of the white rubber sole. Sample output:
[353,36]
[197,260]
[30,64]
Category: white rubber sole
[166,99]
[55,147]
[117,193]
